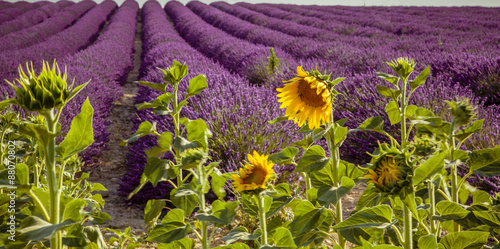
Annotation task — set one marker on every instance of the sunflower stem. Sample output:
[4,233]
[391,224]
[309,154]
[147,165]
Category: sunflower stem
[262,216]
[432,200]
[335,158]
[404,137]
[408,227]
[54,190]
[454,173]
[204,224]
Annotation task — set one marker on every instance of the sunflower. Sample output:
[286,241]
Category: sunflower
[390,172]
[385,173]
[306,97]
[254,174]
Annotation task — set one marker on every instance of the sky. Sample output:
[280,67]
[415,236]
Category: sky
[484,3]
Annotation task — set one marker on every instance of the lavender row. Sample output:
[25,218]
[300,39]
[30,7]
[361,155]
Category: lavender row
[17,9]
[285,26]
[32,17]
[244,58]
[44,30]
[236,111]
[64,43]
[106,63]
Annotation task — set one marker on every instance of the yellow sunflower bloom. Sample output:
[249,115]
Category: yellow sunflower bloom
[254,174]
[306,98]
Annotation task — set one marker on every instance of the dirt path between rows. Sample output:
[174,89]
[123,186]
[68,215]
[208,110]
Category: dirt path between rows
[111,163]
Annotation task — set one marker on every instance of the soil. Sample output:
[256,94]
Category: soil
[110,166]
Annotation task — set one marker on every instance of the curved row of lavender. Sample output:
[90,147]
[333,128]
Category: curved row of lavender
[244,58]
[468,58]
[106,63]
[33,17]
[360,91]
[236,111]
[42,31]
[64,43]
[15,9]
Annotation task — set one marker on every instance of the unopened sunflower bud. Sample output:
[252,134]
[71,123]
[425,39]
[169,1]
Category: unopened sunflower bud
[403,66]
[424,146]
[390,172]
[462,111]
[43,92]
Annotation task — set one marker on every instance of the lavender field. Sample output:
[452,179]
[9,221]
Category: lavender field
[230,44]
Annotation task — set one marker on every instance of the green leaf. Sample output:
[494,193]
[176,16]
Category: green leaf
[80,135]
[183,144]
[160,87]
[492,219]
[475,127]
[198,131]
[239,233]
[371,124]
[35,229]
[485,158]
[283,238]
[430,167]
[93,234]
[197,84]
[185,243]
[388,92]
[249,203]
[307,218]
[161,102]
[145,128]
[411,110]
[314,159]
[389,77]
[370,197]
[217,184]
[187,203]
[174,215]
[223,213]
[340,134]
[157,170]
[169,232]
[284,156]
[278,119]
[98,187]
[74,209]
[21,173]
[165,140]
[350,170]
[392,110]
[420,79]
[37,131]
[428,241]
[370,217]
[331,194]
[152,212]
[450,211]
[464,240]
[233,246]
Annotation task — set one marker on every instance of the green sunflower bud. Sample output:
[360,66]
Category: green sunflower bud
[462,111]
[424,146]
[495,200]
[403,66]
[390,171]
[46,91]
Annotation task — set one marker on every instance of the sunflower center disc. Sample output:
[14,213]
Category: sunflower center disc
[309,95]
[258,176]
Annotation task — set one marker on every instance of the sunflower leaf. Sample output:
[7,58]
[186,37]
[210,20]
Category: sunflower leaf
[314,159]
